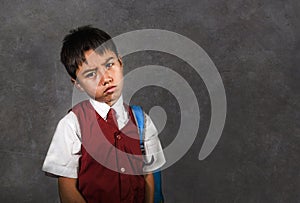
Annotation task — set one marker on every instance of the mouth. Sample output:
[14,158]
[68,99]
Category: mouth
[110,89]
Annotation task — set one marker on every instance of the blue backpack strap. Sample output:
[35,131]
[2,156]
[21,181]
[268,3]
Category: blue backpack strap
[158,195]
[139,116]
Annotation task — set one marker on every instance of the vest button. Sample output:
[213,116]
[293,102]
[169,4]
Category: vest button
[123,170]
[119,137]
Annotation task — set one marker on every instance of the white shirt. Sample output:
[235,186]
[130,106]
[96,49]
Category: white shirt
[65,149]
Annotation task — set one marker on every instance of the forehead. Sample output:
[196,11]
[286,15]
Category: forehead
[95,59]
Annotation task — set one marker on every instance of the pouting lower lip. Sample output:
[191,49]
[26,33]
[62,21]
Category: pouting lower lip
[109,88]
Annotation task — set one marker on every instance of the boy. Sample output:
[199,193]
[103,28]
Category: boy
[94,146]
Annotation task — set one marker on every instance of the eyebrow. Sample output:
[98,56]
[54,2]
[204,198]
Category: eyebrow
[107,60]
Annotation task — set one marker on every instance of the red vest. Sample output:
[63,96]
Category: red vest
[101,144]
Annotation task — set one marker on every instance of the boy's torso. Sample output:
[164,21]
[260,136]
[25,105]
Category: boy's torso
[106,158]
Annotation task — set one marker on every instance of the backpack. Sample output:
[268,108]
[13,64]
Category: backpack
[139,116]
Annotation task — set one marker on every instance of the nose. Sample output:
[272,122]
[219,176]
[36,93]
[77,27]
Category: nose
[106,78]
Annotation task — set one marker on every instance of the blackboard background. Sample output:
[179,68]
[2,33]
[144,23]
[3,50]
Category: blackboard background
[253,43]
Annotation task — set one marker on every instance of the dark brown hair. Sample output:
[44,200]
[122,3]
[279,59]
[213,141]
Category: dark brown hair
[80,40]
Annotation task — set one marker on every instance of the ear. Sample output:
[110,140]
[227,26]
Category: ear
[77,84]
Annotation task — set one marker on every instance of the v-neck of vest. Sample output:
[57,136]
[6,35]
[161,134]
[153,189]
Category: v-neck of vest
[127,107]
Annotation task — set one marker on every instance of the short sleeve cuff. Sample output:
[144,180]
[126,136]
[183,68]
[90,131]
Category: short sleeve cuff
[57,170]
[157,162]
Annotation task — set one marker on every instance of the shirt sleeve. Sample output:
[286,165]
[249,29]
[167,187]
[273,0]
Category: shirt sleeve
[154,158]
[64,152]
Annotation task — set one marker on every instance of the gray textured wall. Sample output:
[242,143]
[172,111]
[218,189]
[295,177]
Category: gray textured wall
[255,46]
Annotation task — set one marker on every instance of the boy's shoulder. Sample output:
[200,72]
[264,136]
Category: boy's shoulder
[68,123]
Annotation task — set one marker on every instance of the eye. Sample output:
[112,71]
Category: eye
[90,74]
[109,65]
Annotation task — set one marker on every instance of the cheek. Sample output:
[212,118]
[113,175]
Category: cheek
[92,86]
[120,75]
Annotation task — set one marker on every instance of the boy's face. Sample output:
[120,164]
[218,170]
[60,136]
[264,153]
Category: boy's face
[101,76]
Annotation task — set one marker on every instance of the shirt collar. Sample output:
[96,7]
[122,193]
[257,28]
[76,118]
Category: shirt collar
[103,108]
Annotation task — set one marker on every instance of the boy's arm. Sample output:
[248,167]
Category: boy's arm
[149,195]
[152,147]
[68,191]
